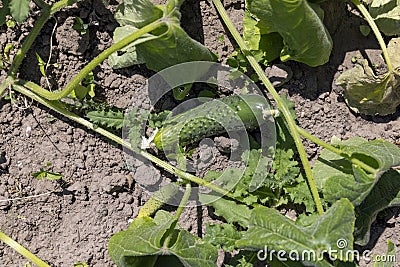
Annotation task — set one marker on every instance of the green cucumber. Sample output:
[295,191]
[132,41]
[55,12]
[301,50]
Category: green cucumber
[212,118]
[161,197]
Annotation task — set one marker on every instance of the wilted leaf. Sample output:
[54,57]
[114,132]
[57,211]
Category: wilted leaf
[372,94]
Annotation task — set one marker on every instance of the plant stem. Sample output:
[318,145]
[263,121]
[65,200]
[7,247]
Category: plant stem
[47,11]
[26,45]
[42,4]
[281,104]
[21,250]
[96,61]
[335,150]
[184,200]
[178,213]
[376,32]
[57,107]
[61,4]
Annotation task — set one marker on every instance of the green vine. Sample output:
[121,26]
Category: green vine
[280,103]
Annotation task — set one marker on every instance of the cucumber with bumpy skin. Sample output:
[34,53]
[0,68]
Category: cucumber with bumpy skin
[161,197]
[211,118]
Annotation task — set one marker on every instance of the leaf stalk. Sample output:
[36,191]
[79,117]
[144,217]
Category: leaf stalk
[376,32]
[21,250]
[95,62]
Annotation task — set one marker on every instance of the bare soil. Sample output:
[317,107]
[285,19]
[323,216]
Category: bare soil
[97,195]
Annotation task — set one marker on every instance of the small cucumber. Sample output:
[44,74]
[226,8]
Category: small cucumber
[160,198]
[212,118]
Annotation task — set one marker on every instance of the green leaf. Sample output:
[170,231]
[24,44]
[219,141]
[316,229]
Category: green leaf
[4,11]
[230,210]
[386,14]
[53,176]
[385,194]
[142,245]
[44,174]
[160,49]
[40,174]
[41,65]
[270,229]
[304,36]
[299,193]
[127,56]
[389,259]
[80,26]
[137,13]
[112,119]
[79,92]
[243,259]
[265,46]
[285,166]
[372,94]
[19,9]
[135,121]
[338,178]
[224,235]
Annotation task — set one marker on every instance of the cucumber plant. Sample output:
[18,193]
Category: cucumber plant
[336,194]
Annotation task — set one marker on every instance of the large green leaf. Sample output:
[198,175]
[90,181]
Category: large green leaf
[4,11]
[264,46]
[270,229]
[385,194]
[224,235]
[372,94]
[142,245]
[19,9]
[162,48]
[338,178]
[304,35]
[386,14]
[230,210]
[137,13]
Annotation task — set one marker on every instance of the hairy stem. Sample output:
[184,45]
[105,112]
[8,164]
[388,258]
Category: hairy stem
[21,250]
[26,45]
[335,150]
[281,104]
[96,61]
[376,32]
[58,107]
[178,213]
